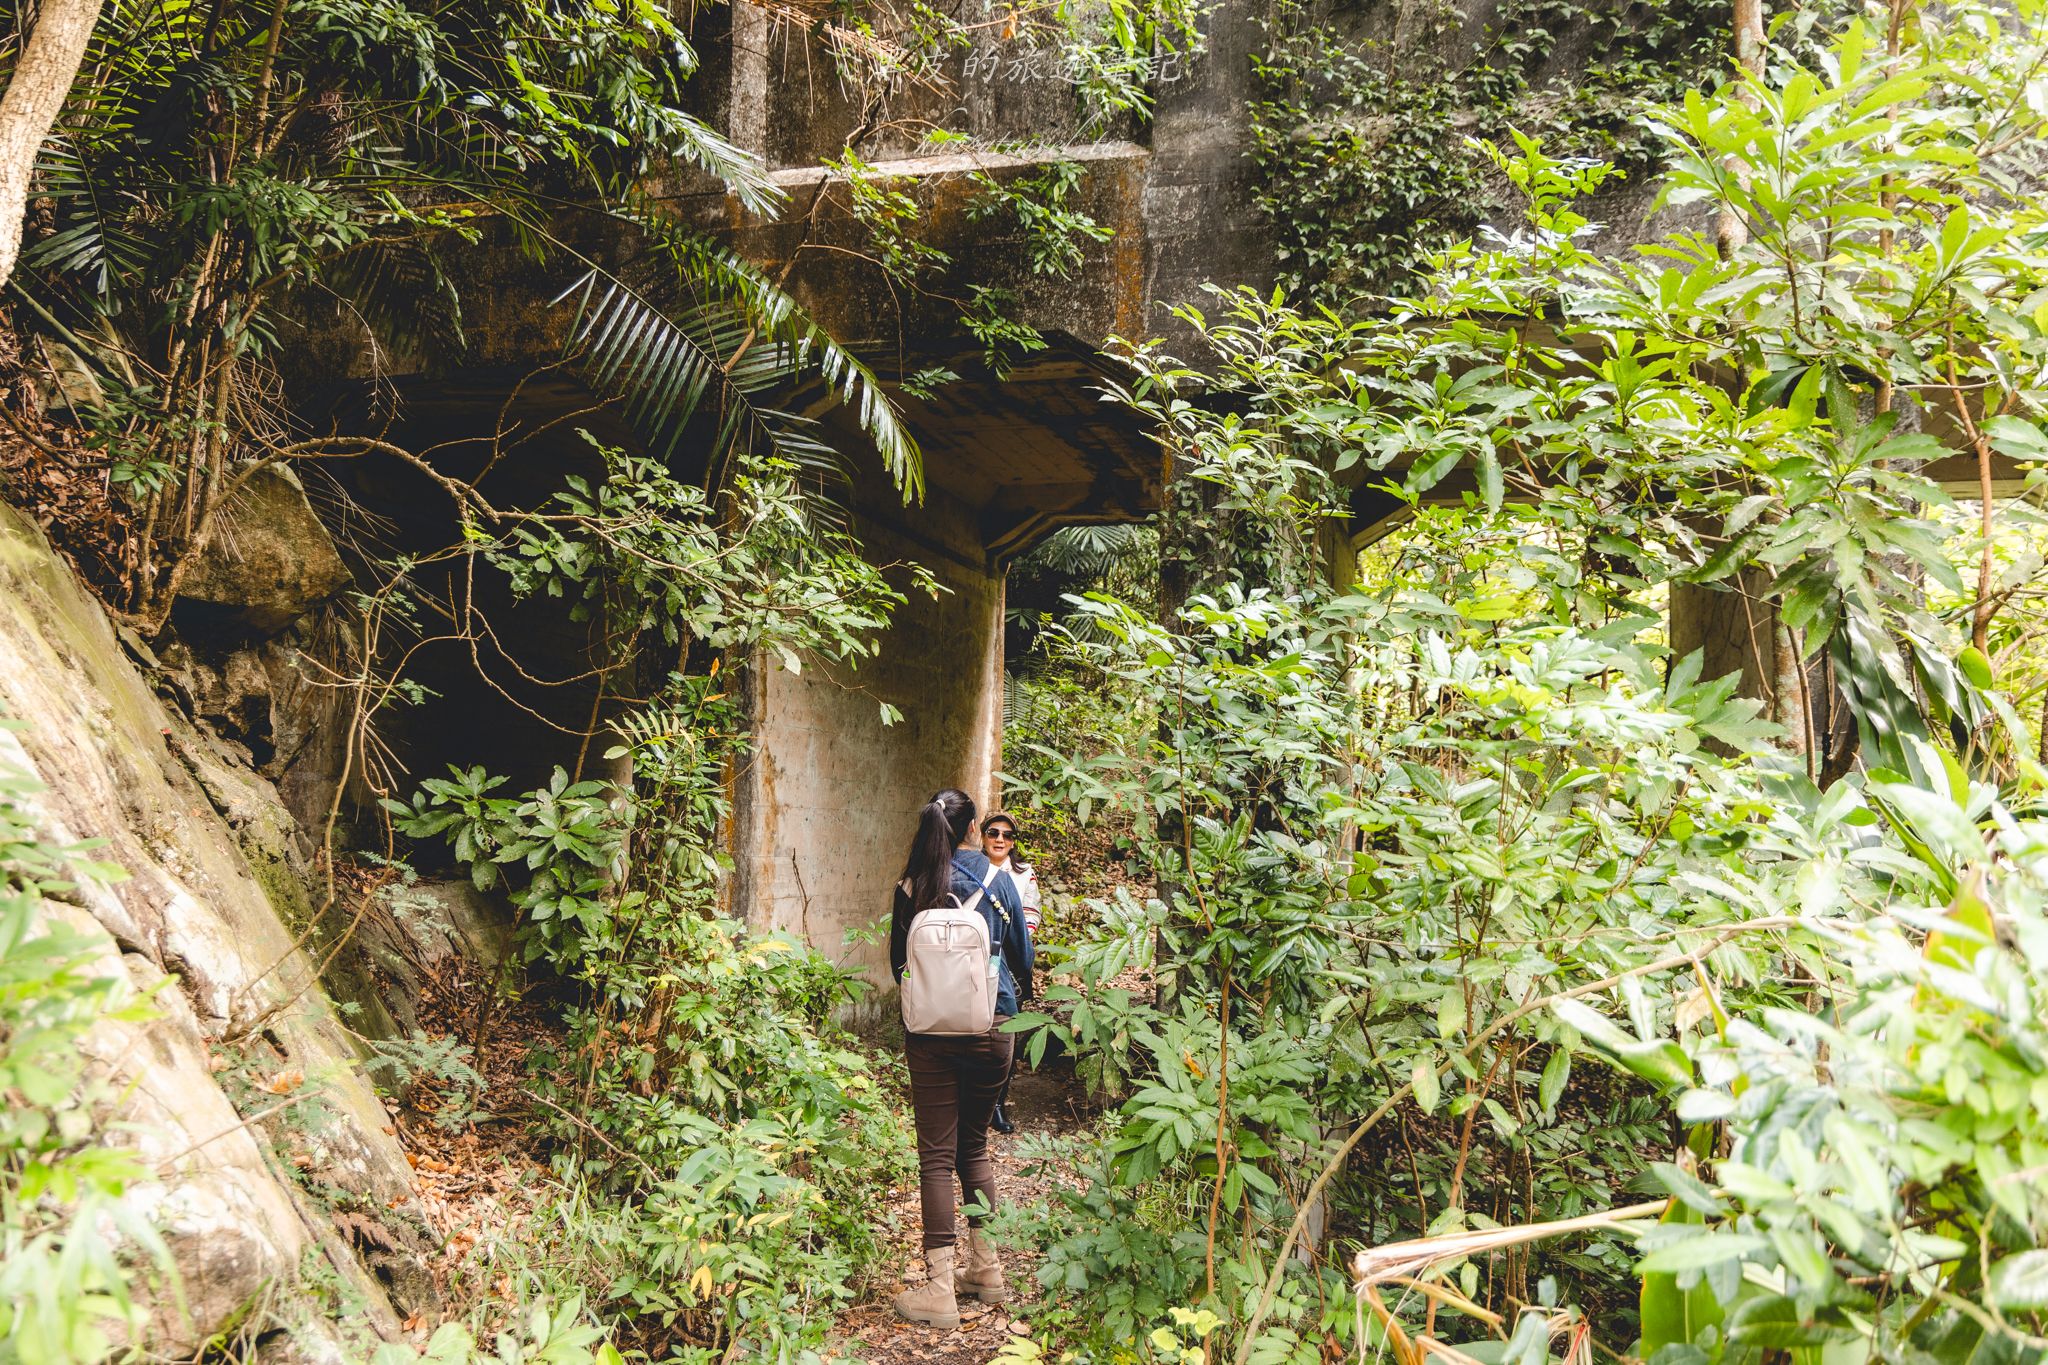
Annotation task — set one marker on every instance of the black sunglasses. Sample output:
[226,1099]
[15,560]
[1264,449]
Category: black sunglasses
[1003,832]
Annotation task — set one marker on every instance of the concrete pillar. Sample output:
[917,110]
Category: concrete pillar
[826,803]
[747,100]
[1198,203]
[1734,629]
[1730,626]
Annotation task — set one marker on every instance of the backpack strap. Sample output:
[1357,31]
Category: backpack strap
[986,881]
[1002,911]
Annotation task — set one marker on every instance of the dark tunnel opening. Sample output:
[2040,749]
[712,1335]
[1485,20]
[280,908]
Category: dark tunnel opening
[494,680]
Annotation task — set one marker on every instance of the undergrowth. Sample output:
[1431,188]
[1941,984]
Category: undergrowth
[720,1146]
[69,1245]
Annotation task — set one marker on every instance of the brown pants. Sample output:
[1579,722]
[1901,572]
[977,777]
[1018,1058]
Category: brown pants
[954,1085]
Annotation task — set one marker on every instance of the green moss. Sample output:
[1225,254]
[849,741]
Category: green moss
[282,886]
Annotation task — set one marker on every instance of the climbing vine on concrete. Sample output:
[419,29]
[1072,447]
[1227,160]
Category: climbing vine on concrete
[1366,120]
[903,62]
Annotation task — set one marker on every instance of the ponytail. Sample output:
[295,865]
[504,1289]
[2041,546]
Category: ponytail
[941,826]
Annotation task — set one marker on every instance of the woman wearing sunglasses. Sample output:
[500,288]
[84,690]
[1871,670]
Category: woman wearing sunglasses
[999,842]
[956,1079]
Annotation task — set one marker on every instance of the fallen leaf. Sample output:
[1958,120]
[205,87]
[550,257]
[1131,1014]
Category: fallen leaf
[284,1082]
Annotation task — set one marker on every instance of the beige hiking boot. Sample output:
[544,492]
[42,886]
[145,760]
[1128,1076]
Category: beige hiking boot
[932,1302]
[983,1276]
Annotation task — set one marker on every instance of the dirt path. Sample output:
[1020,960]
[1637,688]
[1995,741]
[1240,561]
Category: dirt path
[1041,1102]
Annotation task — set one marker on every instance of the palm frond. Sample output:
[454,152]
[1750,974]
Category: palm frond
[1087,551]
[668,369]
[668,365]
[662,367]
[399,290]
[743,172]
[93,246]
[1027,706]
[716,273]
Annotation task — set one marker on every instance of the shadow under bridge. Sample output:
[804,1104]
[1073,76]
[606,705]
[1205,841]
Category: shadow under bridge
[827,801]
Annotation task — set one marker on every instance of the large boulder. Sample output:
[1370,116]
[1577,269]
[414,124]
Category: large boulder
[268,560]
[416,930]
[272,1149]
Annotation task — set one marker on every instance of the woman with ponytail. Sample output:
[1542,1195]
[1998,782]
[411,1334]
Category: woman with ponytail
[955,1082]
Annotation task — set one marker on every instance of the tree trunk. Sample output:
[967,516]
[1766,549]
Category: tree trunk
[42,78]
[1731,234]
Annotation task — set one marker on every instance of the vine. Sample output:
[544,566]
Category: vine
[1367,123]
[1113,57]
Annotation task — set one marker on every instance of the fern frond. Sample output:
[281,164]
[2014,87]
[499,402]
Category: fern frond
[629,349]
[1029,707]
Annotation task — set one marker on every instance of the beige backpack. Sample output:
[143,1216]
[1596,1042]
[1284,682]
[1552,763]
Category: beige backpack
[950,971]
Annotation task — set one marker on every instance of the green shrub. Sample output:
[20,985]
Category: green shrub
[722,1145]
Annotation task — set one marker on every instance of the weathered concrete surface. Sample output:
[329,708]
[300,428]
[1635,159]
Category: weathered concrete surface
[1176,189]
[829,798]
[1104,297]
[1199,214]
[213,897]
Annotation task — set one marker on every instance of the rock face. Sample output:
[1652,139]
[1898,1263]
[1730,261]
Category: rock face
[273,1150]
[269,561]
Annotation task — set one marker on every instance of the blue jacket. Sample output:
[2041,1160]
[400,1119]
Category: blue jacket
[1006,932]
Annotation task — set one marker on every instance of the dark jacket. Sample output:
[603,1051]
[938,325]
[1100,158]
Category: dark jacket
[1005,916]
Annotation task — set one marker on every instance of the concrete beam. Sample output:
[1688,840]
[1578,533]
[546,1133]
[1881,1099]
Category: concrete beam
[794,178]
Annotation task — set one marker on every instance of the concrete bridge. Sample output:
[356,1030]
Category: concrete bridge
[826,802]
[824,806]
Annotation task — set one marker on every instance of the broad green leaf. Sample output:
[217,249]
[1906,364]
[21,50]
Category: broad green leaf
[1697,1253]
[1975,666]
[1427,1090]
[1671,1316]
[1688,1189]
[2019,1284]
[1489,478]
[1774,1322]
[1556,1072]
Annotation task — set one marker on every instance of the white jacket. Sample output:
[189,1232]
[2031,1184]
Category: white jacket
[1028,893]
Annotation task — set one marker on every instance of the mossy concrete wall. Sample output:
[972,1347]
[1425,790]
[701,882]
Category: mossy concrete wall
[826,803]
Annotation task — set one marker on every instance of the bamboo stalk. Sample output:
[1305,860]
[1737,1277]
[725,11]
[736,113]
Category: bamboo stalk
[1400,1260]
